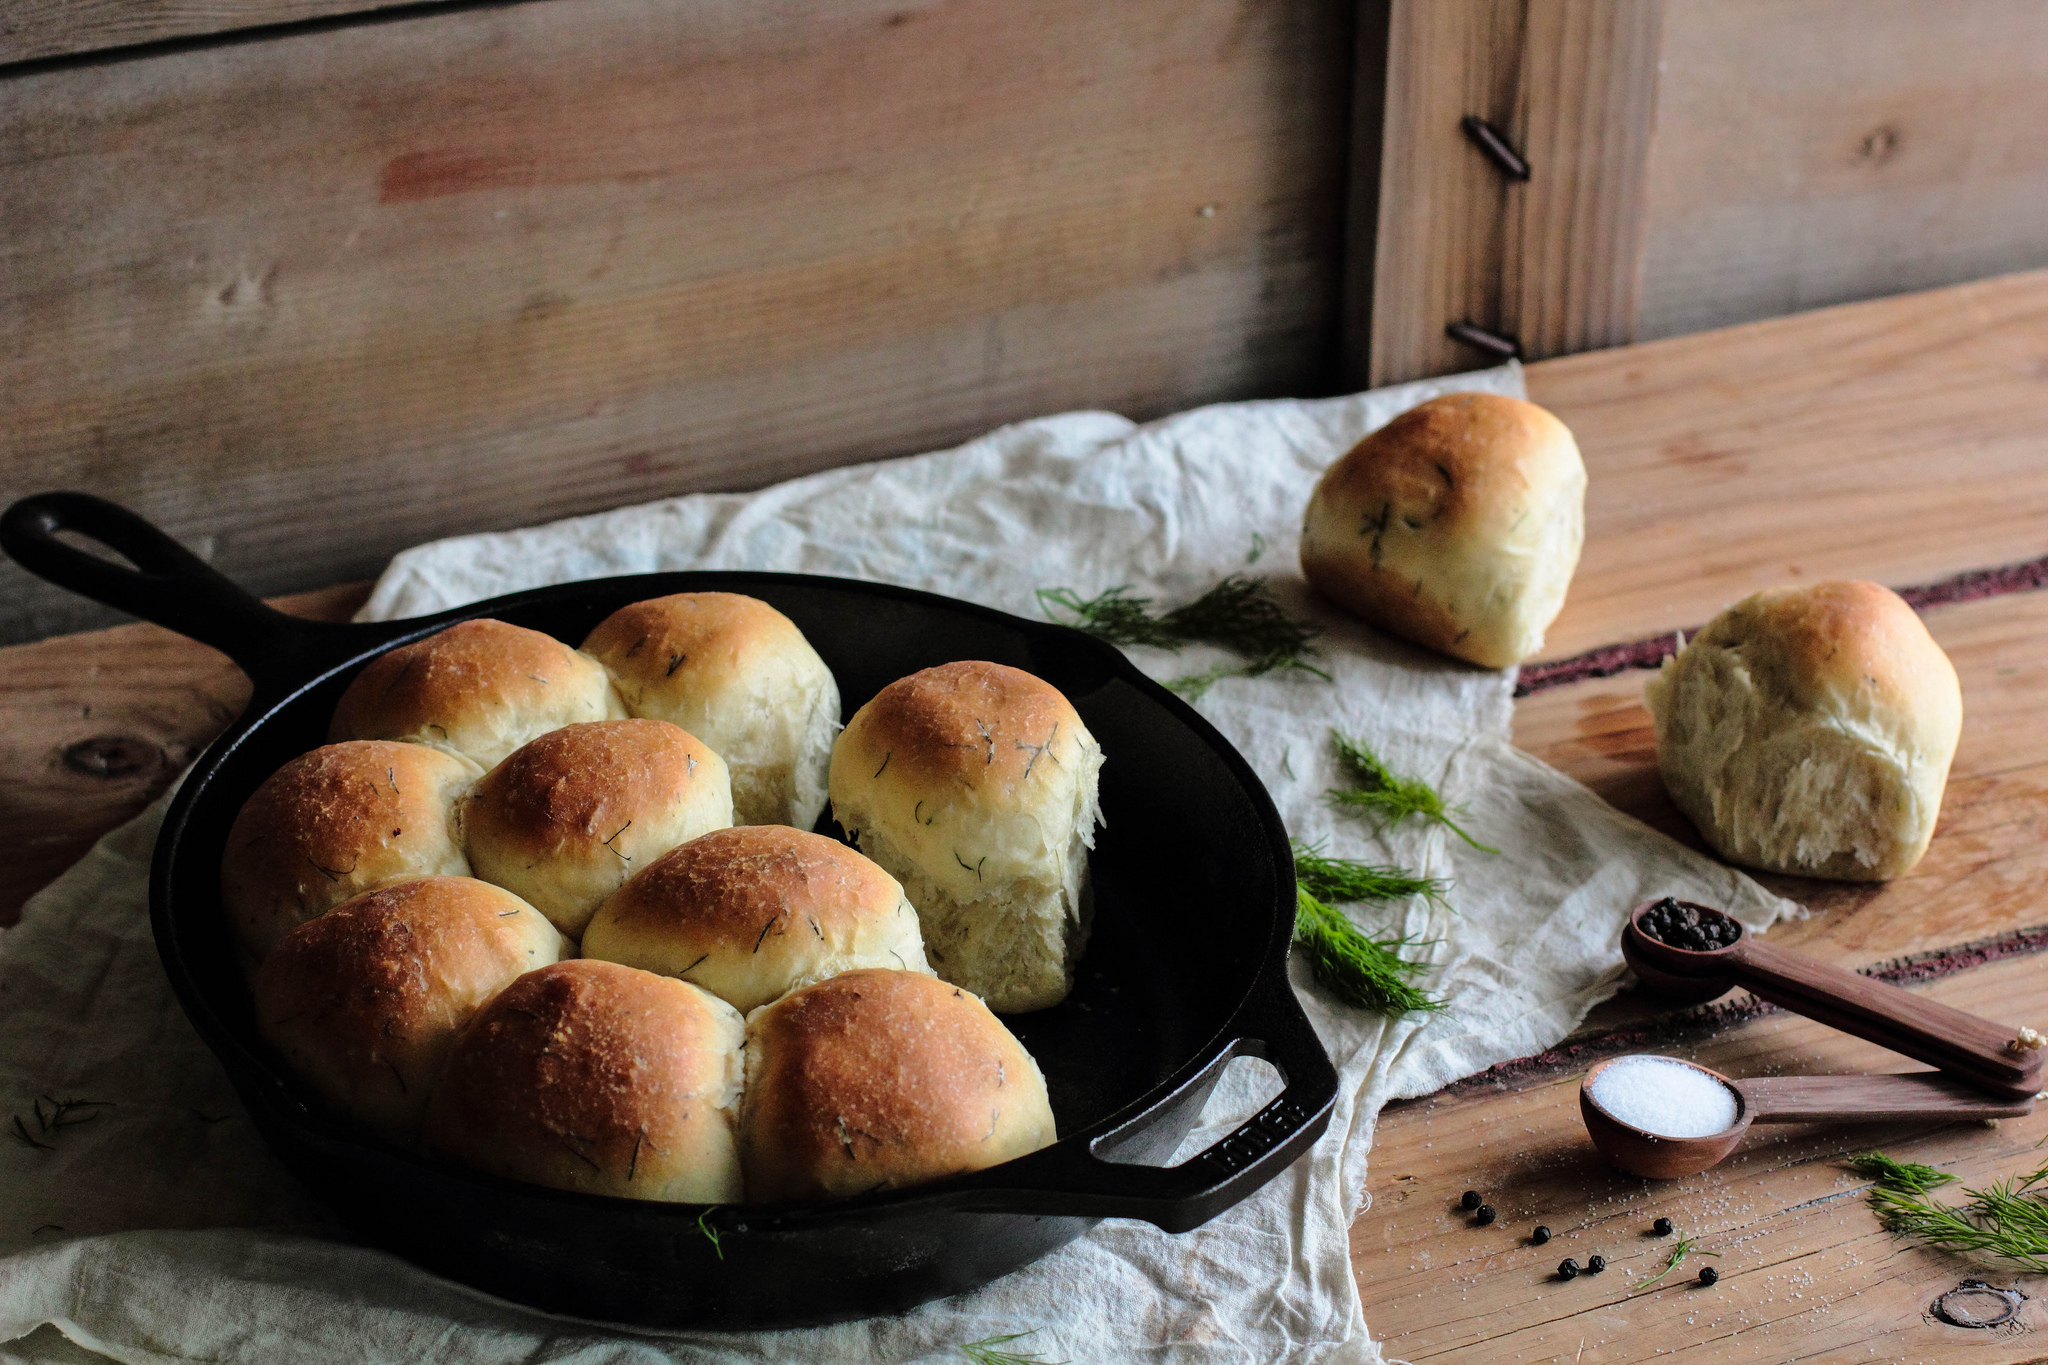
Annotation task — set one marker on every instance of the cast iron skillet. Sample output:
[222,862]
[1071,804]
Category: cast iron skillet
[1186,969]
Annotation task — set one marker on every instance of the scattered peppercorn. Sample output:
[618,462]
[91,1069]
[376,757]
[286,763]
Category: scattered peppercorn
[1568,1269]
[1595,1264]
[1662,1227]
[1485,1214]
[1470,1201]
[1708,1274]
[1541,1235]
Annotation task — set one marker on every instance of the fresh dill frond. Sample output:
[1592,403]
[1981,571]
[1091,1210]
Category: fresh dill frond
[1194,686]
[2005,1222]
[1338,880]
[1680,1249]
[1380,792]
[52,1114]
[1905,1177]
[1238,614]
[710,1233]
[991,1351]
[1357,968]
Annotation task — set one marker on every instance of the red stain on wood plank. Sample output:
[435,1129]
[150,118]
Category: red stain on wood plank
[431,174]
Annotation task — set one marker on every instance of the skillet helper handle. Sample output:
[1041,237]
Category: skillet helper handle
[1961,1044]
[1872,1099]
[1083,1182]
[168,584]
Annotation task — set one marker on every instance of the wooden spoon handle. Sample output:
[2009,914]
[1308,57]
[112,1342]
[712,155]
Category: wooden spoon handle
[1959,1043]
[1916,1095]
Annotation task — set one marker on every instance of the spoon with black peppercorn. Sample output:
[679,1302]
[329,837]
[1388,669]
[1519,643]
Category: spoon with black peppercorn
[1663,1118]
[1691,953]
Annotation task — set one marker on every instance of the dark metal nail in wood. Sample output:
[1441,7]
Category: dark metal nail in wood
[1493,343]
[1494,143]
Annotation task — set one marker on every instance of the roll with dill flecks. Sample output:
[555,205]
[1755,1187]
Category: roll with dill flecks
[752,912]
[569,817]
[974,785]
[336,822]
[1457,525]
[596,1077]
[882,1079]
[365,1001]
[739,675]
[479,688]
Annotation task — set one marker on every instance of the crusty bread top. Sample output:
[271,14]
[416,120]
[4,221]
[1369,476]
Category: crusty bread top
[366,999]
[582,785]
[334,823]
[879,1079]
[479,688]
[694,644]
[733,886]
[589,1075]
[1820,644]
[984,726]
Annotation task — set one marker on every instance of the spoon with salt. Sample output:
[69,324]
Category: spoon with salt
[1662,1118]
[1691,953]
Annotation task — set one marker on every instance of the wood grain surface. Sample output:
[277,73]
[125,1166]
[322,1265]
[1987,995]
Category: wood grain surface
[33,29]
[307,300]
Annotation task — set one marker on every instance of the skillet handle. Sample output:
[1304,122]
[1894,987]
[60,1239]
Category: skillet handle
[168,584]
[1083,1182]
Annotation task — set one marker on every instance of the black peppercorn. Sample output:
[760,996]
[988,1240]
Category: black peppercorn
[1708,1274]
[1595,1264]
[1470,1201]
[1485,1214]
[1541,1235]
[1568,1269]
[1662,1227]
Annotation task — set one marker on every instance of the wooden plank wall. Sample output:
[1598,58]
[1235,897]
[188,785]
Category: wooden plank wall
[307,297]
[1696,164]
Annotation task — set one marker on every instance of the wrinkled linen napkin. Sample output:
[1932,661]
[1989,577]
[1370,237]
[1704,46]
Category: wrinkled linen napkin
[160,1229]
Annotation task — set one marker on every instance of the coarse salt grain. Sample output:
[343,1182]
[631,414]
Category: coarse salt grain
[1664,1096]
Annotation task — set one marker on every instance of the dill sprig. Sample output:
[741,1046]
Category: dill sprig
[1379,791]
[1680,1249]
[1339,880]
[710,1232]
[1356,967]
[2005,1222]
[58,1114]
[1906,1177]
[1238,614]
[990,1351]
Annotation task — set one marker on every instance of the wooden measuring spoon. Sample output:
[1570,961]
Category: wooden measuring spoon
[1786,1099]
[1985,1054]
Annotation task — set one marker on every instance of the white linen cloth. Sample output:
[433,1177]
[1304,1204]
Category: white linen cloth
[162,1230]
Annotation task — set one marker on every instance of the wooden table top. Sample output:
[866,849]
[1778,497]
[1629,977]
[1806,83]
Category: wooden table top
[1904,440]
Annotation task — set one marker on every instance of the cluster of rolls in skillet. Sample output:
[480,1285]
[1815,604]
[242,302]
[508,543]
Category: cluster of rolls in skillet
[558,913]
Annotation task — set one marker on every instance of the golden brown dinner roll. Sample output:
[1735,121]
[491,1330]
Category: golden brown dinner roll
[337,822]
[740,676]
[751,913]
[1456,525]
[479,688]
[568,817]
[365,1001]
[974,784]
[596,1077]
[879,1079]
[1809,730]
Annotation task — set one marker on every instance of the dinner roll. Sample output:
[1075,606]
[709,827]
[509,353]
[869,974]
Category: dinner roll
[596,1077]
[740,676]
[337,822]
[568,817]
[974,784]
[753,912]
[879,1079]
[479,688]
[1809,730]
[365,1001]
[1456,525]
